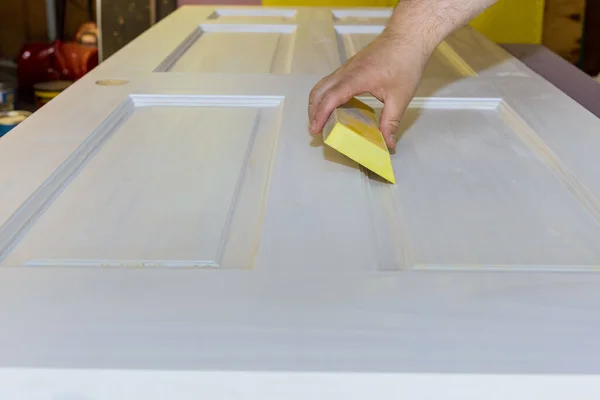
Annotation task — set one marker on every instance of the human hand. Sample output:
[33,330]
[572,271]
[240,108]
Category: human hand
[390,68]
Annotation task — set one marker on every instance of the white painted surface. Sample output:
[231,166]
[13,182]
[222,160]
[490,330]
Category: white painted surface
[184,230]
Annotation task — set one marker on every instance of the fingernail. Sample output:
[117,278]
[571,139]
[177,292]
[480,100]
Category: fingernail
[313,126]
[393,138]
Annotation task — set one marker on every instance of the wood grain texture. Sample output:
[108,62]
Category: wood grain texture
[210,49]
[188,226]
[124,239]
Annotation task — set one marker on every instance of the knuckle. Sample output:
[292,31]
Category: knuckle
[316,89]
[330,97]
[312,96]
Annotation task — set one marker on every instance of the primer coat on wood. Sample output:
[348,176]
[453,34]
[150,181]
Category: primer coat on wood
[181,234]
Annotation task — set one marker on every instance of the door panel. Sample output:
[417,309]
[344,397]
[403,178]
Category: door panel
[444,63]
[158,192]
[274,15]
[235,48]
[468,197]
[361,16]
[184,219]
[291,40]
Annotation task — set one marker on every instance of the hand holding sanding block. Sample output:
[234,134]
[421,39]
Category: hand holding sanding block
[352,130]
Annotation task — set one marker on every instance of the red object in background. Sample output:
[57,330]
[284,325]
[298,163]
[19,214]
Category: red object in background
[74,60]
[42,62]
[37,63]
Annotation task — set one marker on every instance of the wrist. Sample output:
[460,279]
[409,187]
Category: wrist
[415,24]
[426,23]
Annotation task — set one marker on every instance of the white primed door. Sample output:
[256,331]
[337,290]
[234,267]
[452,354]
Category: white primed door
[168,222]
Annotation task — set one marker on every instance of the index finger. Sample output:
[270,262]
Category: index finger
[334,97]
[316,95]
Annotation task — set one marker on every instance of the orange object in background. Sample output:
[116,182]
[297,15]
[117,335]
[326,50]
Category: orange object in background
[87,34]
[74,60]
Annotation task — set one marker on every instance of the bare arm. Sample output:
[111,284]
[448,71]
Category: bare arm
[391,67]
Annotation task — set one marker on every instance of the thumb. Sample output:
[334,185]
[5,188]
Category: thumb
[389,121]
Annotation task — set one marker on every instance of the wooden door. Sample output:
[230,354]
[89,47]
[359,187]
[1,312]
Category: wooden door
[169,229]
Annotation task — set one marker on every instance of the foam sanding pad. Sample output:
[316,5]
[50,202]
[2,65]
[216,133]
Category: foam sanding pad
[353,131]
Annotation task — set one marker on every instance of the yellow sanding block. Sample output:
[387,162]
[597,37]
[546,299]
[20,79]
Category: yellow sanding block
[352,130]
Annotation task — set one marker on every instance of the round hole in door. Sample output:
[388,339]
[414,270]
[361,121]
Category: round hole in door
[112,82]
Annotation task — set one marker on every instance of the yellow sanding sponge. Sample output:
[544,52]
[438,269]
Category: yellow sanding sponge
[352,130]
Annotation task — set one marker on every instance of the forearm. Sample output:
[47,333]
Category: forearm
[427,23]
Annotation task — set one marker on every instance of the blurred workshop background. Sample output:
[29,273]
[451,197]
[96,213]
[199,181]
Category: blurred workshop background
[45,45]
